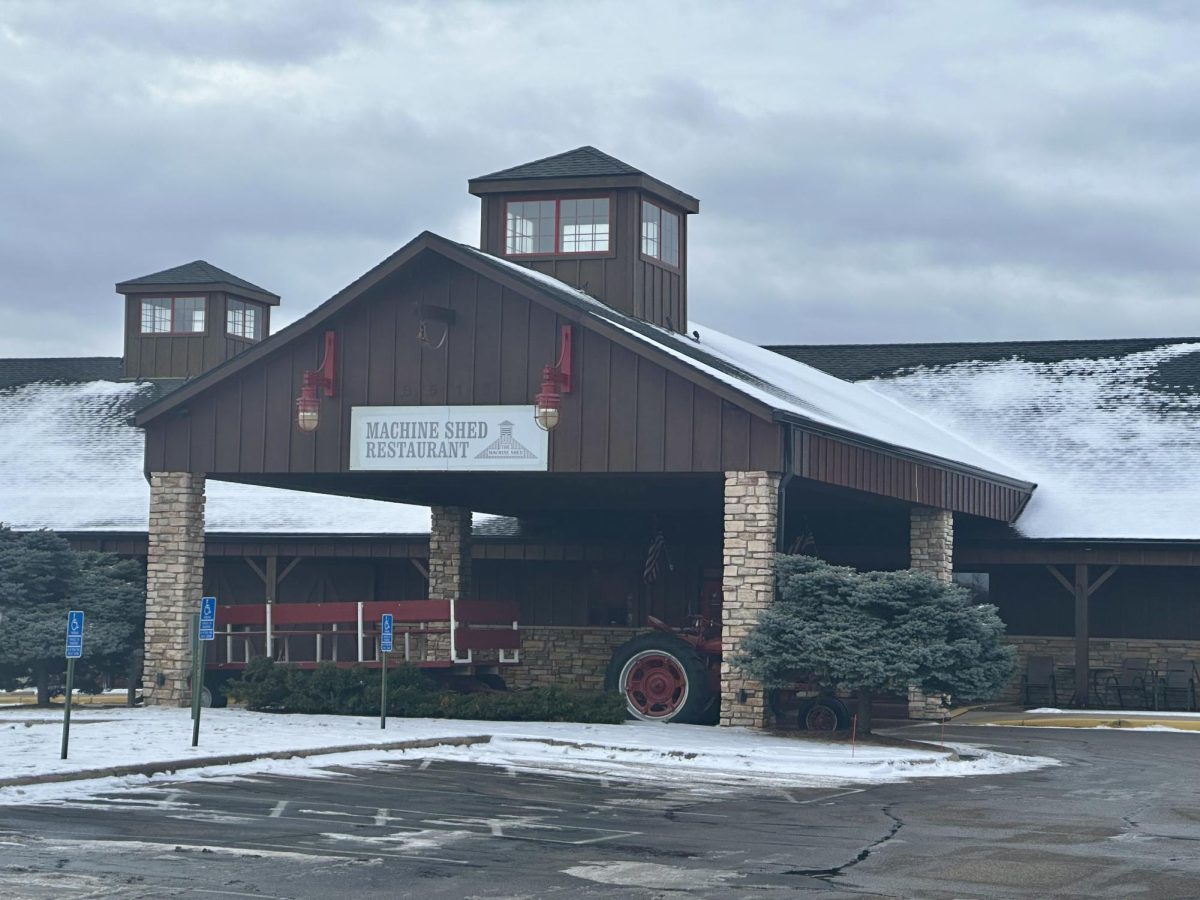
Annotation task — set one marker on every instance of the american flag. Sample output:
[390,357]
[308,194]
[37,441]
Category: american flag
[656,557]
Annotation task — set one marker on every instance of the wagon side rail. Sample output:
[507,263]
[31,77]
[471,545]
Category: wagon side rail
[452,631]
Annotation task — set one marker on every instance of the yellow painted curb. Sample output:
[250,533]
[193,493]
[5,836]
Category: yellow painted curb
[1099,722]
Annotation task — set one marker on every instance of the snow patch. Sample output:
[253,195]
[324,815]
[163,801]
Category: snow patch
[1113,456]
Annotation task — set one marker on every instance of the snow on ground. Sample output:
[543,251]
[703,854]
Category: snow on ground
[29,745]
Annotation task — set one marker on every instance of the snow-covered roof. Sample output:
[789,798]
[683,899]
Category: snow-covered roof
[786,385]
[71,460]
[1109,431]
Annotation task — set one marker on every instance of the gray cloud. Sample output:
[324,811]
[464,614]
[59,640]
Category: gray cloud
[917,171]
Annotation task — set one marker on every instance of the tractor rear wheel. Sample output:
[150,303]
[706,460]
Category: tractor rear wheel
[662,679]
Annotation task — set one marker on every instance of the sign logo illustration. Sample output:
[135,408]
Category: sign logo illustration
[506,446]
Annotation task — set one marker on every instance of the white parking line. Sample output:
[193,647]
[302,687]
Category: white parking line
[278,809]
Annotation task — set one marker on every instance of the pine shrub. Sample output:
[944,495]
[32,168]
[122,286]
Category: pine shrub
[266,686]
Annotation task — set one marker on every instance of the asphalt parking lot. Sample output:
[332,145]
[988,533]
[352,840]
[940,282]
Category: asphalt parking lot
[1119,818]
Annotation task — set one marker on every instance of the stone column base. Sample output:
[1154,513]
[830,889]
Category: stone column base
[751,514]
[174,584]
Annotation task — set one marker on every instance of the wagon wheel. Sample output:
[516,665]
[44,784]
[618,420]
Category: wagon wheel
[823,714]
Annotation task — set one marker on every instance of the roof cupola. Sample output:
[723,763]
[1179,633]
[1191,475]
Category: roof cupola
[595,223]
[181,322]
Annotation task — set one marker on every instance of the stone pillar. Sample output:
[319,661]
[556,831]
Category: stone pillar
[449,553]
[751,511]
[931,549]
[931,542]
[174,584]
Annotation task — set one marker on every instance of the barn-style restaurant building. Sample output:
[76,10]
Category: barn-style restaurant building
[622,460]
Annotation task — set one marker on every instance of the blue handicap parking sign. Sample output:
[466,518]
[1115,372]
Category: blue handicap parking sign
[385,634]
[75,634]
[208,618]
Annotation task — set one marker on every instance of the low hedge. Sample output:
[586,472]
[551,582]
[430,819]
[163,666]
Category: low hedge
[269,687]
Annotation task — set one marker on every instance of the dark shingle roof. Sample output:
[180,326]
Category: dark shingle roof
[16,373]
[857,362]
[581,162]
[196,272]
[65,370]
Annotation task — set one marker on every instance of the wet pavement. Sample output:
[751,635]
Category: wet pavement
[1120,818]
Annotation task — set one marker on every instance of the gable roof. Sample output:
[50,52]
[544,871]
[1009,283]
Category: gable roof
[579,168]
[197,274]
[742,373]
[1108,429]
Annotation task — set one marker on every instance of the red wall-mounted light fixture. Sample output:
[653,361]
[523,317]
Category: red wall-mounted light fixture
[317,383]
[556,381]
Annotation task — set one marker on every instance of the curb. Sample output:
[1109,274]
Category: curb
[155,768]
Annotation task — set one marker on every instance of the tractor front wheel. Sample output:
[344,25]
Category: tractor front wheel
[661,678]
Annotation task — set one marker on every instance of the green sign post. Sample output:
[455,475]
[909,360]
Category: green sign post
[203,625]
[74,651]
[196,679]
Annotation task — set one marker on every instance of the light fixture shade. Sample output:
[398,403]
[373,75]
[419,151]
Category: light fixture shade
[548,400]
[546,417]
[308,413]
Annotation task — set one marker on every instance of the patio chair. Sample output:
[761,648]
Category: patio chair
[1177,685]
[1039,676]
[1132,684]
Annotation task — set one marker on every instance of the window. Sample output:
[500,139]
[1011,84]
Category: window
[243,320]
[172,315]
[660,233]
[547,227]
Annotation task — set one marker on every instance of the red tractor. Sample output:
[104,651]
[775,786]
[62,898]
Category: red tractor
[674,675]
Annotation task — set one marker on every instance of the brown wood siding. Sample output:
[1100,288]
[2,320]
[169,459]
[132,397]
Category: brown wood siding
[182,356]
[625,414]
[832,461]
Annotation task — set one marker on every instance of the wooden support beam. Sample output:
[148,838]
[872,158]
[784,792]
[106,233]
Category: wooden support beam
[420,567]
[1062,579]
[1082,648]
[1108,573]
[254,567]
[287,570]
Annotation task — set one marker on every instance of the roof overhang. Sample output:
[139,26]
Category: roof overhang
[130,288]
[482,186]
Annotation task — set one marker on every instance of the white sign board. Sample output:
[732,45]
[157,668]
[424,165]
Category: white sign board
[447,439]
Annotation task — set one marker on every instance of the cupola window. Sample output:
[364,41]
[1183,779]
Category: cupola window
[660,234]
[557,227]
[243,320]
[172,315]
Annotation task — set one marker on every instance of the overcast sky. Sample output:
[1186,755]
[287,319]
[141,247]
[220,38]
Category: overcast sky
[867,171]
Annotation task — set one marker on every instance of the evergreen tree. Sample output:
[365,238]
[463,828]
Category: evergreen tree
[41,578]
[876,632]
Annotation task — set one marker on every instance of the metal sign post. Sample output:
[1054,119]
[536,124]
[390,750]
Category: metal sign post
[385,647]
[203,628]
[74,651]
